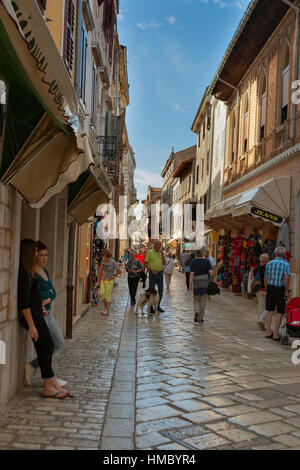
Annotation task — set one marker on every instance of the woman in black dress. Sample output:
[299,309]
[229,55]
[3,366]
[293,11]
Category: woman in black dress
[134,269]
[31,317]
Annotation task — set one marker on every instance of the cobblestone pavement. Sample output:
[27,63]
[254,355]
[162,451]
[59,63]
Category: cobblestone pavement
[87,363]
[164,383]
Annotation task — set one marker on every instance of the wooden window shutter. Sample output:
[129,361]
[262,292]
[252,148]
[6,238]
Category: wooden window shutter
[69,34]
[109,19]
[108,14]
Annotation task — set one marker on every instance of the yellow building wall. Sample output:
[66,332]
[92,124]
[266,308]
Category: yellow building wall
[55,13]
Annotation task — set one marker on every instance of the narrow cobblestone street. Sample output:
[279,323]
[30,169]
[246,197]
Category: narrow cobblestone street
[165,383]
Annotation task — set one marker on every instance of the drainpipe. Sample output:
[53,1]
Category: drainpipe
[72,227]
[70,279]
[237,123]
[296,65]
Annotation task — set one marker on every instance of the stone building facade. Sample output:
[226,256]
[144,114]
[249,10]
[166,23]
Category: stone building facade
[263,118]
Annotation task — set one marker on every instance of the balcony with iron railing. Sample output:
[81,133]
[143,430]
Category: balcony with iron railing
[108,150]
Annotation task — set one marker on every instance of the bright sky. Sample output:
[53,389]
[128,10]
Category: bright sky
[174,48]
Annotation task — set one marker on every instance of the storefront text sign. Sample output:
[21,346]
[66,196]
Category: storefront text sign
[35,47]
[266,215]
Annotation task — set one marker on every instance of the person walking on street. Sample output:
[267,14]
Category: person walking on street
[48,294]
[108,271]
[31,317]
[134,269]
[277,278]
[262,293]
[141,256]
[183,258]
[201,270]
[188,270]
[168,269]
[155,262]
[213,264]
[125,257]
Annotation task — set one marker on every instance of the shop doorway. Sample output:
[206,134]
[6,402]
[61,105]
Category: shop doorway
[297,239]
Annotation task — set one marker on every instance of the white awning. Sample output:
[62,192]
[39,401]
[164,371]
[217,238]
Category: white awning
[269,201]
[47,163]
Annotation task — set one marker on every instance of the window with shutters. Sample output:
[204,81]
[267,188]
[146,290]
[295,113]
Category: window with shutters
[263,108]
[197,175]
[207,162]
[68,50]
[109,19]
[203,130]
[94,94]
[285,82]
[208,118]
[83,46]
[246,126]
[232,138]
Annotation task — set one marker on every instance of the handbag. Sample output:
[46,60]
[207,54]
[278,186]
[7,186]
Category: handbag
[213,289]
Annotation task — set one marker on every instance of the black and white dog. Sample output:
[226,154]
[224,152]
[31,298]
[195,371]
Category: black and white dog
[150,297]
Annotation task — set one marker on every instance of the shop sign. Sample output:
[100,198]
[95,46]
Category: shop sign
[276,219]
[36,48]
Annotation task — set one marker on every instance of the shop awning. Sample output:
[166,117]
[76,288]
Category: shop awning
[43,150]
[40,59]
[269,201]
[87,199]
[47,162]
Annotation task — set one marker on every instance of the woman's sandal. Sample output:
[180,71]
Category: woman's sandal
[70,395]
[55,395]
[270,337]
[276,339]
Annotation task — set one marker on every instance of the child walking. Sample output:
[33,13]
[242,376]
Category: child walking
[108,271]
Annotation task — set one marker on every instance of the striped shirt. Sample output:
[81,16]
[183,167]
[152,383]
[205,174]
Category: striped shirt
[276,270]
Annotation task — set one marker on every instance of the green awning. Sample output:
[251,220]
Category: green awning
[74,188]
[20,120]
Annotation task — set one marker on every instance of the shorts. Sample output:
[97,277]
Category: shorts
[106,288]
[275,298]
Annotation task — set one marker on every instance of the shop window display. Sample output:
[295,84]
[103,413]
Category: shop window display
[237,258]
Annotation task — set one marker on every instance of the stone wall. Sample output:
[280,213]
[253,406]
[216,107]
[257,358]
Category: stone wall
[9,328]
[17,221]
